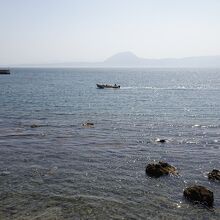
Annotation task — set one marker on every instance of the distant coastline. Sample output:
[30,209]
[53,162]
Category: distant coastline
[129,59]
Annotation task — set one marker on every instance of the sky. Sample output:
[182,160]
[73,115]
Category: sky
[47,31]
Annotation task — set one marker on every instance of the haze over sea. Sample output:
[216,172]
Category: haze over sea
[59,169]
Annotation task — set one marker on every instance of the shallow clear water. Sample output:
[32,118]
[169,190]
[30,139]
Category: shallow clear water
[61,170]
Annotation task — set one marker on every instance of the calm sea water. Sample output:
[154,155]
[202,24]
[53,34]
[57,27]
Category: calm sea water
[61,170]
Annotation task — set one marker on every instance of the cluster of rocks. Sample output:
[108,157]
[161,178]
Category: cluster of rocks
[196,193]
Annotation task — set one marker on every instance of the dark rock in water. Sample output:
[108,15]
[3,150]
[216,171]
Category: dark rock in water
[160,169]
[199,194]
[88,124]
[214,175]
[4,71]
[160,140]
[34,126]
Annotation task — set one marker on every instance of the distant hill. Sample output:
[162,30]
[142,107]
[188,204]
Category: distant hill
[124,59]
[128,59]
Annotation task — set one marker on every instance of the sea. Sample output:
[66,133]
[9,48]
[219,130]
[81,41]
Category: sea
[52,166]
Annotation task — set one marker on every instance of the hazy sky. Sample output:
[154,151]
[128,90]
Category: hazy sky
[34,31]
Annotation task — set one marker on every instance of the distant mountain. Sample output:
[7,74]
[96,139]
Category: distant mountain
[128,59]
[124,59]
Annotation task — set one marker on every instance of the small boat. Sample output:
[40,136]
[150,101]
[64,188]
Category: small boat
[4,71]
[102,86]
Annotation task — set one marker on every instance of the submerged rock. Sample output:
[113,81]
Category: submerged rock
[214,175]
[160,140]
[199,194]
[160,169]
[88,125]
[35,126]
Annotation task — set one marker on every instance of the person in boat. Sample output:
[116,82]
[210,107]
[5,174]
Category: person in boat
[115,85]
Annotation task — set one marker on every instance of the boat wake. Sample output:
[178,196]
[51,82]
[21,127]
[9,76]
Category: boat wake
[168,88]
